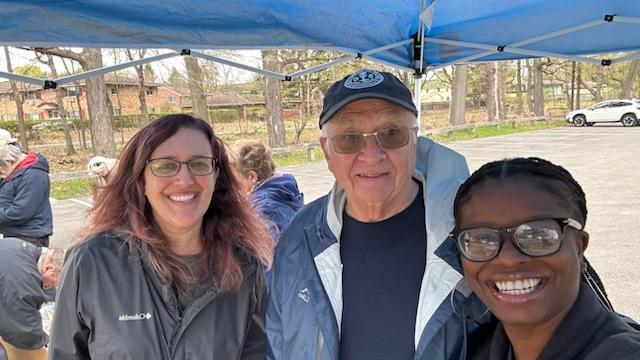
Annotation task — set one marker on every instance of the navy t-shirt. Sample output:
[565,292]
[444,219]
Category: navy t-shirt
[383,265]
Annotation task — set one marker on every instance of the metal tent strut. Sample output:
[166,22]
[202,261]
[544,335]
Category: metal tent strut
[53,83]
[417,67]
[516,47]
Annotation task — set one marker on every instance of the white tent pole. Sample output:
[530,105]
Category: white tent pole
[627,19]
[550,54]
[419,63]
[22,78]
[510,49]
[216,59]
[390,64]
[464,59]
[551,35]
[633,56]
[312,69]
[417,92]
[112,68]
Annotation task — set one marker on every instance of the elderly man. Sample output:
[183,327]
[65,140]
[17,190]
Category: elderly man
[26,272]
[25,211]
[366,272]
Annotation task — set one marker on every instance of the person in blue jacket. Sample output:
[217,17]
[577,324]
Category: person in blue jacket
[365,272]
[25,211]
[275,195]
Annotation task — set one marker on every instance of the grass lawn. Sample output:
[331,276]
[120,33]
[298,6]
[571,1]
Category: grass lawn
[65,189]
[495,130]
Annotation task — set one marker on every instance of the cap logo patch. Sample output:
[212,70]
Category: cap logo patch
[363,79]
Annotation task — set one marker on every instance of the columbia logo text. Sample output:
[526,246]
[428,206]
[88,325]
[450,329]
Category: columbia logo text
[134,317]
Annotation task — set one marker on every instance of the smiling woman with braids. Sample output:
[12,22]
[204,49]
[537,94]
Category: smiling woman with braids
[520,230]
[171,265]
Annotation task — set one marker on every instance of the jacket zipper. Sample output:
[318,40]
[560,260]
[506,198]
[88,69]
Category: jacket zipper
[319,344]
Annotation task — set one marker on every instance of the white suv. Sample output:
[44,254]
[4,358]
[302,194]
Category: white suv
[625,111]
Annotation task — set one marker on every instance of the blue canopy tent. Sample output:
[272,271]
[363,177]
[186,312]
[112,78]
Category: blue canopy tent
[413,35]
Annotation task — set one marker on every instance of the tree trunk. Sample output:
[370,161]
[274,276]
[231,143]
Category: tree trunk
[18,99]
[273,100]
[578,84]
[62,112]
[198,97]
[629,80]
[599,83]
[458,98]
[142,91]
[492,91]
[530,86]
[500,98]
[538,88]
[100,115]
[519,84]
[573,85]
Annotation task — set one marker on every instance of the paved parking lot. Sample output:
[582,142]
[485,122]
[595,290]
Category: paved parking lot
[604,159]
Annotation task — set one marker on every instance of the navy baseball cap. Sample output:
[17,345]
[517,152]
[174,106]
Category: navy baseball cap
[362,84]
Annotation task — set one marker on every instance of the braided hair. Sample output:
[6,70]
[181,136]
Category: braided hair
[535,171]
[549,177]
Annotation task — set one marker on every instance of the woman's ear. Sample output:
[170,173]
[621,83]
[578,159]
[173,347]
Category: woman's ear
[582,241]
[253,176]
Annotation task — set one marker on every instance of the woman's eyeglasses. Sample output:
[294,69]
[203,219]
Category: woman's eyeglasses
[388,139]
[533,238]
[199,166]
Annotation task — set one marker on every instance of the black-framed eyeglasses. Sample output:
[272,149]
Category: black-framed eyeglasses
[388,139]
[542,237]
[198,166]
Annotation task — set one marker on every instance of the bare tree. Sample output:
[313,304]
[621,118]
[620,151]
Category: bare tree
[538,88]
[630,79]
[198,96]
[273,100]
[492,91]
[62,112]
[519,84]
[17,97]
[142,90]
[100,115]
[458,98]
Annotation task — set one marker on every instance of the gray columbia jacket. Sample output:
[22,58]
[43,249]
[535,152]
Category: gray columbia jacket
[112,305]
[305,299]
[21,295]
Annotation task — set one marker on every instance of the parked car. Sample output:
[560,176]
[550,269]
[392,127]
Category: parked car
[625,111]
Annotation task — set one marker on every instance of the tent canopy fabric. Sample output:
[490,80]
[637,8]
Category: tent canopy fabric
[455,31]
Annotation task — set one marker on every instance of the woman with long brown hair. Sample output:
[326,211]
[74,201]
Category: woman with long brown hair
[171,265]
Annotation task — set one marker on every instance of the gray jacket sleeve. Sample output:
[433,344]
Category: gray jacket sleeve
[21,323]
[255,344]
[70,333]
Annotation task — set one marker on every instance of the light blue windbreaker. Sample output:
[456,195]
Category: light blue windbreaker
[305,300]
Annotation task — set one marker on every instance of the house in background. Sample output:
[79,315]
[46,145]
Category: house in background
[40,104]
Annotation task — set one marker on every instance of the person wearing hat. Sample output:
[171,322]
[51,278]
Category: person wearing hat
[365,272]
[25,211]
[7,138]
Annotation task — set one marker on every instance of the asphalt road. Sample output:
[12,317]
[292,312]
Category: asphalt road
[603,159]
